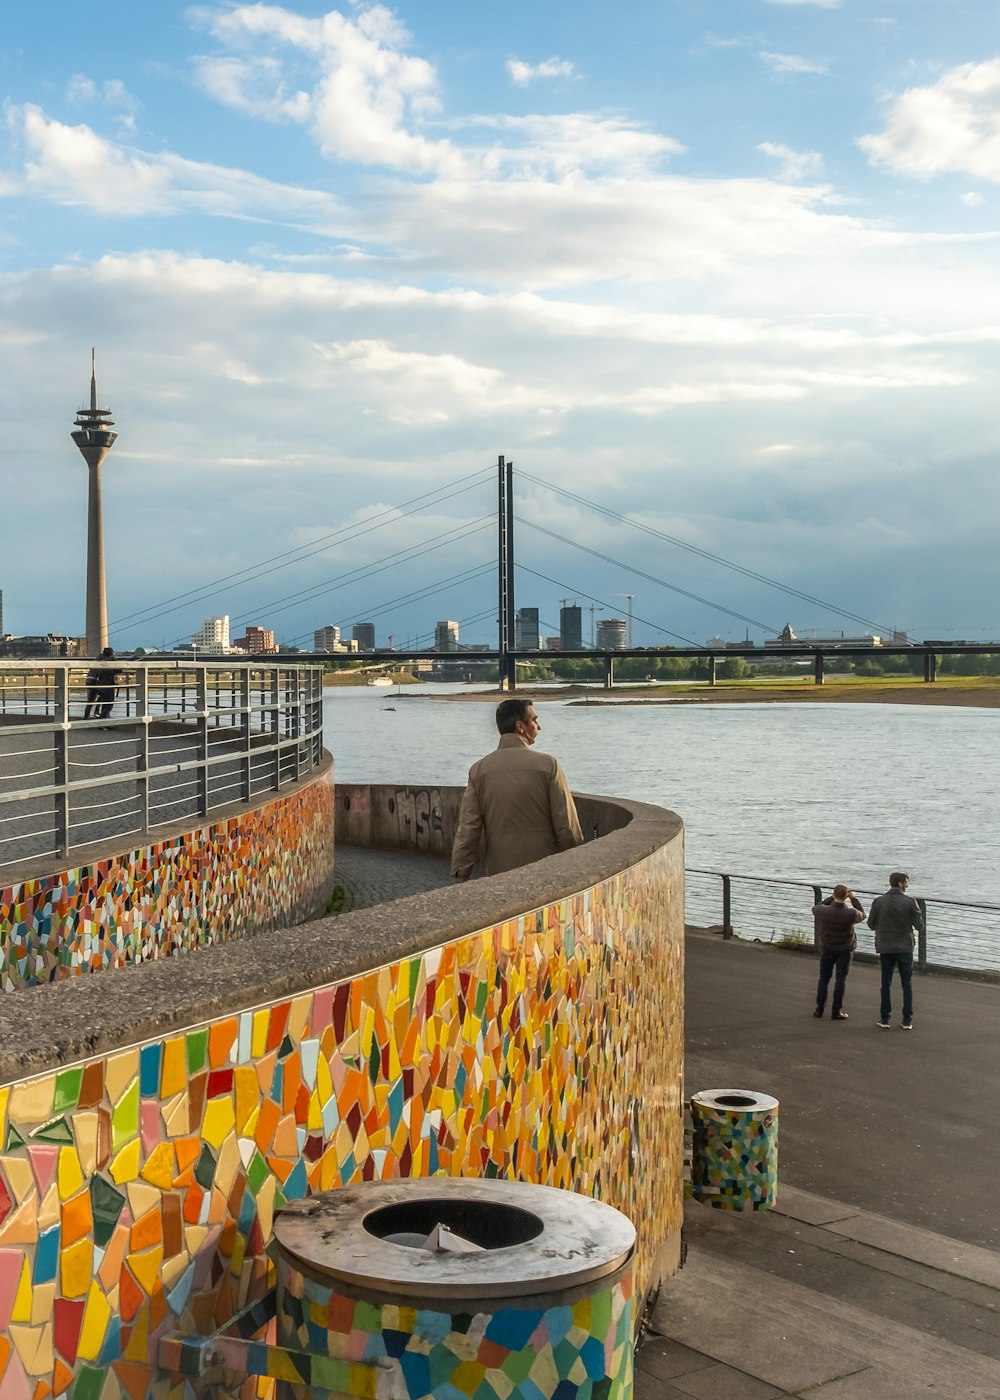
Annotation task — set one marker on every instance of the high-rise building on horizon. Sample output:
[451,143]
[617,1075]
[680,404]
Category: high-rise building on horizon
[364,634]
[326,639]
[611,634]
[256,640]
[570,627]
[212,635]
[95,439]
[526,629]
[446,636]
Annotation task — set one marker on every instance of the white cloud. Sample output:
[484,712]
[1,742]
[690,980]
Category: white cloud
[521,73]
[74,165]
[112,93]
[950,126]
[790,63]
[973,199]
[794,164]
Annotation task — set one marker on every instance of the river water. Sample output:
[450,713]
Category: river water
[820,792]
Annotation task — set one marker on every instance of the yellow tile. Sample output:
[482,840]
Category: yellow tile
[48,1211]
[31,1101]
[96,1316]
[26,1341]
[85,1131]
[298,1017]
[125,1167]
[138,1344]
[228,1164]
[160,1168]
[218,1122]
[173,1075]
[172,1270]
[146,1266]
[70,1175]
[142,1198]
[265,1206]
[76,1269]
[44,1359]
[258,1039]
[119,1072]
[247,1094]
[4,1094]
[176,1116]
[42,1298]
[194,1238]
[315,1119]
[19,1175]
[21,1311]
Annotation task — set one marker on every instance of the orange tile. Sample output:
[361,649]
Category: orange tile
[147,1231]
[221,1037]
[77,1218]
[267,1122]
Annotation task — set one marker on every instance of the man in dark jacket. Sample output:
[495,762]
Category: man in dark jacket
[102,684]
[835,920]
[894,916]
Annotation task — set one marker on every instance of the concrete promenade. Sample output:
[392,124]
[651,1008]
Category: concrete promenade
[877,1277]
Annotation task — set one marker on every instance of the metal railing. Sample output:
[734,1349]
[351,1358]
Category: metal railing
[183,740]
[956,933]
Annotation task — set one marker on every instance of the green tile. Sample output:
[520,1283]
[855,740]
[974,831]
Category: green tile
[14,1139]
[257,1173]
[68,1089]
[88,1384]
[204,1172]
[57,1131]
[197,1050]
[125,1117]
[106,1204]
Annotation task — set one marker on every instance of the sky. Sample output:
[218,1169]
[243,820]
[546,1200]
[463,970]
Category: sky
[726,270]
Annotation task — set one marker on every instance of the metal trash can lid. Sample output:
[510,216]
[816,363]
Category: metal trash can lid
[526,1239]
[735,1100]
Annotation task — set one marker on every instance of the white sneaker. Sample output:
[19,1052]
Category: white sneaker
[906,1026]
[883,1025]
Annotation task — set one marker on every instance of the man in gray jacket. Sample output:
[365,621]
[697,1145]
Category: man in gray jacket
[894,916]
[517,799]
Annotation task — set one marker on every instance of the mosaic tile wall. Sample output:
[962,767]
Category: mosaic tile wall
[578,1351]
[138,1189]
[734,1159]
[261,869]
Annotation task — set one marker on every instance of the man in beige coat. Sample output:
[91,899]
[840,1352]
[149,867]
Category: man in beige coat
[517,797]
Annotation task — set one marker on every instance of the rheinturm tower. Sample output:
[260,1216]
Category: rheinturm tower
[95,439]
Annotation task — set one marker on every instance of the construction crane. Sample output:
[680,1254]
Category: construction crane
[629,596]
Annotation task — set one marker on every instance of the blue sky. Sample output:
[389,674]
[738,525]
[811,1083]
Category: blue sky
[727,269]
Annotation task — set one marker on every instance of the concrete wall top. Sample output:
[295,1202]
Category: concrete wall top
[44,1027]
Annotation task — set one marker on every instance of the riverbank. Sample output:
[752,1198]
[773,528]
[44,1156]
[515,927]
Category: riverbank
[965,691]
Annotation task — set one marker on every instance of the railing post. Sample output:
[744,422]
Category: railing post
[62,746]
[817,899]
[727,906]
[142,716]
[930,667]
[609,672]
[711,670]
[201,681]
[818,669]
[922,937]
[245,733]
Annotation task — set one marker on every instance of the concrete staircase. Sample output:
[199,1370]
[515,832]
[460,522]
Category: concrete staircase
[819,1299]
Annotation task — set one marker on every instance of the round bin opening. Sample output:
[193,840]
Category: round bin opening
[488,1224]
[735,1101]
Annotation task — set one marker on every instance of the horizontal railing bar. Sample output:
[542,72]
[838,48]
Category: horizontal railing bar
[808,884]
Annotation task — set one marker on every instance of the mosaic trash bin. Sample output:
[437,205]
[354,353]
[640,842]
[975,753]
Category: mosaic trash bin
[734,1159]
[451,1287]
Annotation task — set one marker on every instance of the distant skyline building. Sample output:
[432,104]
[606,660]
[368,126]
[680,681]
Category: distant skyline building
[446,636]
[570,627]
[326,639]
[364,634]
[811,637]
[95,439]
[256,640]
[526,629]
[212,635]
[611,634]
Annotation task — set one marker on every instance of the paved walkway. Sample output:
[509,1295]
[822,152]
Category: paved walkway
[370,877]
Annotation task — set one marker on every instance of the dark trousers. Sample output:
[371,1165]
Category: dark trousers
[827,962]
[890,961]
[100,702]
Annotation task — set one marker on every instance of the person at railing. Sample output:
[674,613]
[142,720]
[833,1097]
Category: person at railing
[895,916]
[102,686]
[835,919]
[517,799]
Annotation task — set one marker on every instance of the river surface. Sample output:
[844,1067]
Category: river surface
[809,792]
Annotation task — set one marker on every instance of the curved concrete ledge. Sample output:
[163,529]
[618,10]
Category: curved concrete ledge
[44,1027]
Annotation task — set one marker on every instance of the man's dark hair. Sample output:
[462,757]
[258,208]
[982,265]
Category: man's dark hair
[108,653]
[510,712]
[840,891]
[896,879]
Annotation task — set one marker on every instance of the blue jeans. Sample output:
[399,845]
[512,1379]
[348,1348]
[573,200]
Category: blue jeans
[890,961]
[827,962]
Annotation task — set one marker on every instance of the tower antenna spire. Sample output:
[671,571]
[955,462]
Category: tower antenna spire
[94,435]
